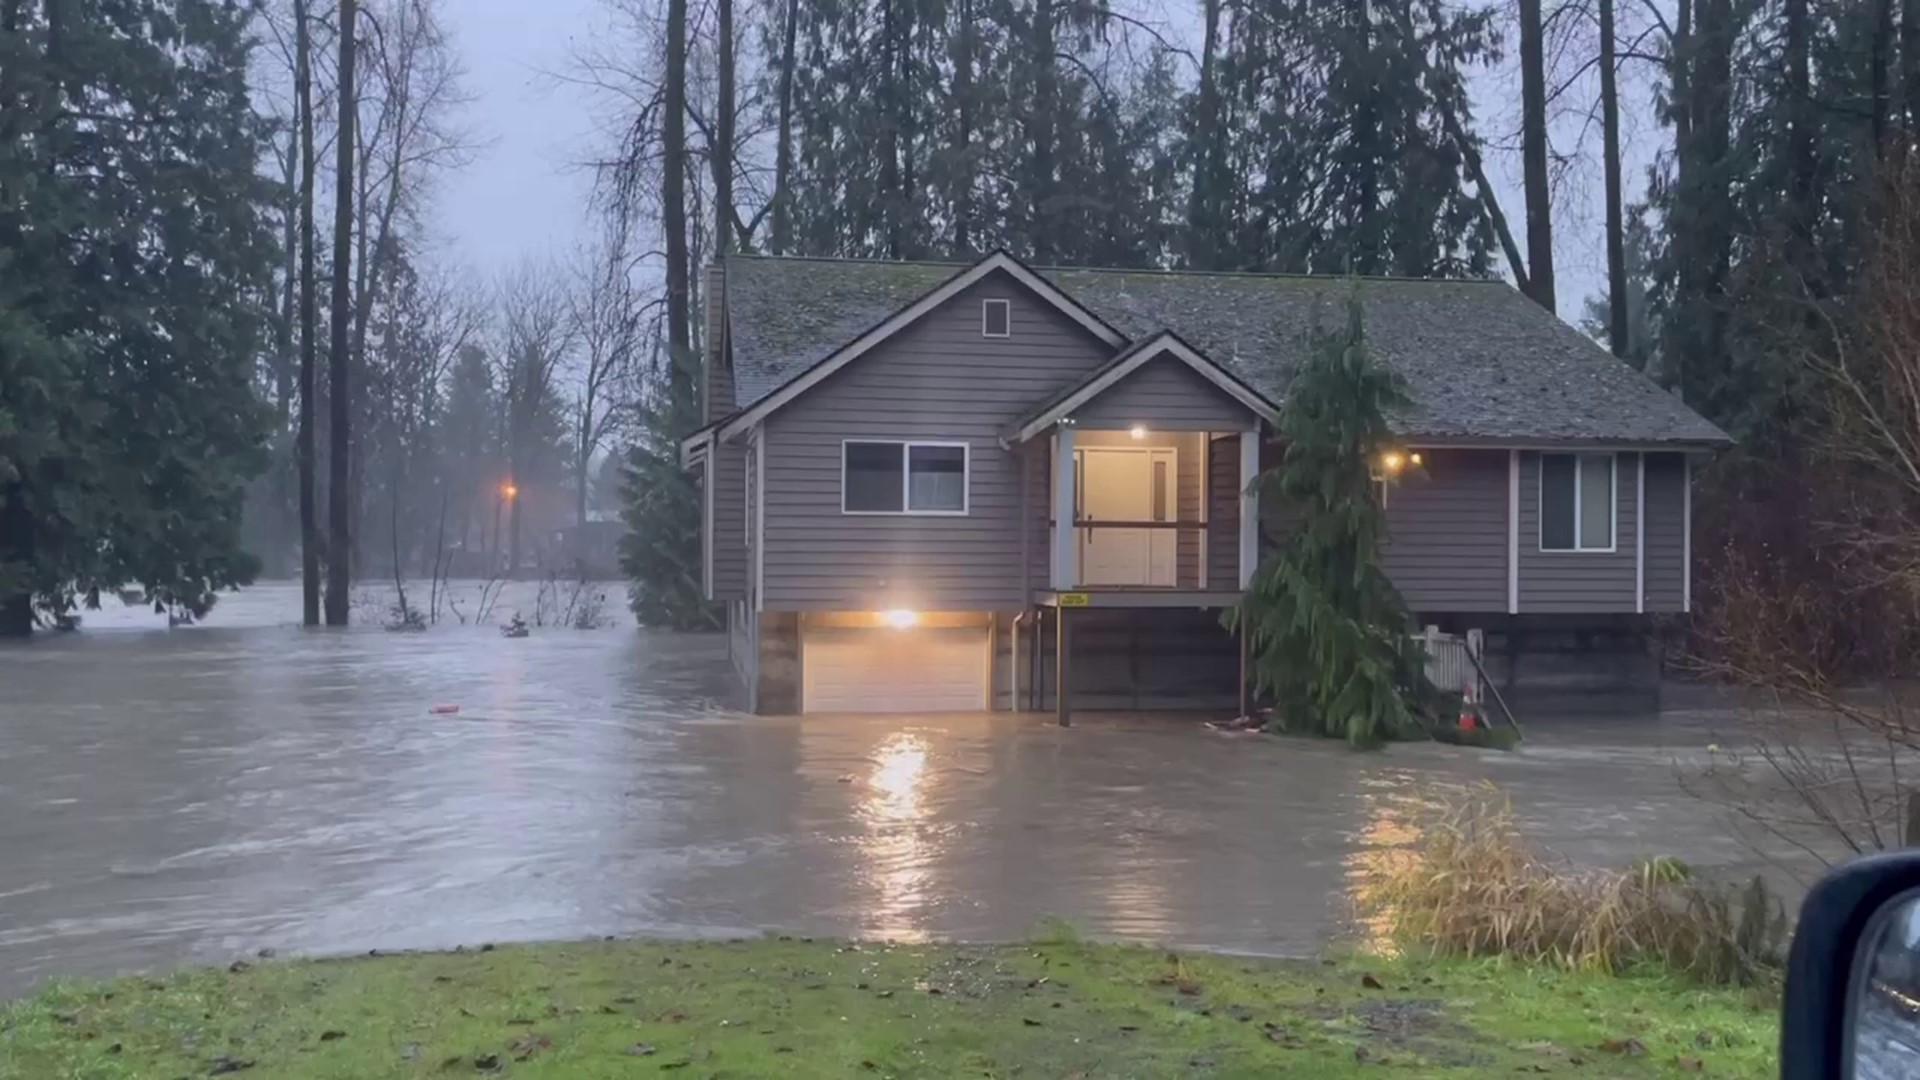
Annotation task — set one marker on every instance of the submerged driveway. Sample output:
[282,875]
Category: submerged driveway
[191,796]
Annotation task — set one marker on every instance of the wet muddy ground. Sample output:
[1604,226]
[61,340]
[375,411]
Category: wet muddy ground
[183,796]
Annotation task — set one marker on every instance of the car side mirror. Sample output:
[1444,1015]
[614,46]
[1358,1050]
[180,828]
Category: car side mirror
[1852,1002]
[1884,1013]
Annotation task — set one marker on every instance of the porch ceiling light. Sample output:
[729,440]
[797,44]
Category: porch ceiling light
[1138,431]
[1414,458]
[1391,462]
[900,618]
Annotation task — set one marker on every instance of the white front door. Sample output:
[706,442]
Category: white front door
[1127,485]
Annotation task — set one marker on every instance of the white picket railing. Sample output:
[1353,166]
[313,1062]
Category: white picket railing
[1450,662]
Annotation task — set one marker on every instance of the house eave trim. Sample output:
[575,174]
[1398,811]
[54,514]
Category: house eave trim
[1164,344]
[999,261]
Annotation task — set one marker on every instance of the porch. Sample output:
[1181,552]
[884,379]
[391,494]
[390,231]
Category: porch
[1130,514]
[1138,487]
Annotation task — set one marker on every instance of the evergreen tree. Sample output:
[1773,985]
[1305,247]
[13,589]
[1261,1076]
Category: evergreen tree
[135,263]
[660,551]
[1331,635]
[1339,152]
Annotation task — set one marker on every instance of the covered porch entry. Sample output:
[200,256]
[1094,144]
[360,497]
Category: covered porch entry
[1140,489]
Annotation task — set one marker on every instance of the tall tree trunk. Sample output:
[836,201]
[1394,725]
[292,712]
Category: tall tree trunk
[783,153]
[309,347]
[339,390]
[1045,109]
[583,458]
[1910,66]
[284,360]
[1204,232]
[1881,71]
[1616,210]
[909,213]
[1533,154]
[720,154]
[673,182]
[1714,91]
[892,199]
[1369,253]
[1680,363]
[1801,163]
[963,78]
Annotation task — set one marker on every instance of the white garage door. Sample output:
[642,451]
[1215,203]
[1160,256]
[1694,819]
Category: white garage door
[880,669]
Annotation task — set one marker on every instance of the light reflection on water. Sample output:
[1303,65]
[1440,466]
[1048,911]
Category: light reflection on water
[896,845]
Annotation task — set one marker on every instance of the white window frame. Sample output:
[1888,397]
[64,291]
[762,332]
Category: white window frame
[1579,479]
[1005,305]
[906,477]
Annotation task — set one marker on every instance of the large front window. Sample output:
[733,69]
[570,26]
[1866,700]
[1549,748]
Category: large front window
[1577,501]
[903,478]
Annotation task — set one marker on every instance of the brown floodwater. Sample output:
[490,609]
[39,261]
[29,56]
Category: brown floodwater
[191,795]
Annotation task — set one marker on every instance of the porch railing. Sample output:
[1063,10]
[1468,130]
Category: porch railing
[1190,555]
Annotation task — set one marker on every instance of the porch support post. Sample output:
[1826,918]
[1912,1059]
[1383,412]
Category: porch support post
[1249,505]
[1246,666]
[1013,661]
[1062,648]
[1063,504]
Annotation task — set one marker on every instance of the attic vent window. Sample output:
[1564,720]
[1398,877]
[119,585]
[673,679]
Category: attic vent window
[996,318]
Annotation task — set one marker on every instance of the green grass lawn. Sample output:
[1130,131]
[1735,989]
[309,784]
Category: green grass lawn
[823,1008]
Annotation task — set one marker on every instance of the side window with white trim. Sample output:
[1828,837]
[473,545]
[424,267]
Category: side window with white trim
[903,477]
[996,318]
[1577,500]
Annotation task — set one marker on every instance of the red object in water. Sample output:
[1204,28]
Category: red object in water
[444,710]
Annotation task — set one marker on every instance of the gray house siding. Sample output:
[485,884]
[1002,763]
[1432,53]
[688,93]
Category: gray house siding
[729,476]
[1666,532]
[1447,529]
[1165,394]
[727,467]
[1223,513]
[751,493]
[1577,582]
[938,379]
[1037,458]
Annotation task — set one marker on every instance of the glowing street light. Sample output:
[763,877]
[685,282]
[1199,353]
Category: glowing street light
[508,490]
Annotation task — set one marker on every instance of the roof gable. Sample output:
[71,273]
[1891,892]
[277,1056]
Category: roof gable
[775,392]
[1164,346]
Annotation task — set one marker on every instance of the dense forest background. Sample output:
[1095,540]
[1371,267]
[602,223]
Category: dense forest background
[1763,276]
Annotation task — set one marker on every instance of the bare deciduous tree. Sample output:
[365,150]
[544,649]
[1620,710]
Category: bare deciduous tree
[1824,771]
[339,534]
[607,317]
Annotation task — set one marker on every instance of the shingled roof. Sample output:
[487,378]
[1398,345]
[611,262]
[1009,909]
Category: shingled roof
[1483,361]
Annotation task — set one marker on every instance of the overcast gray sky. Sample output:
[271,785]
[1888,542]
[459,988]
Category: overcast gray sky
[522,195]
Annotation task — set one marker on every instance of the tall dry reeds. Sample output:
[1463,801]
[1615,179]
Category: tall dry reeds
[1471,885]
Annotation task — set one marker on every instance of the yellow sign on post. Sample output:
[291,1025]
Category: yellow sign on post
[1073,599]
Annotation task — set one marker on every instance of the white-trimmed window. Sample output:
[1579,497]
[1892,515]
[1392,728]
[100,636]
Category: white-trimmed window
[1578,494]
[996,318]
[895,477]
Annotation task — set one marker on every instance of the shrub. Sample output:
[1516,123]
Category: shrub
[1471,885]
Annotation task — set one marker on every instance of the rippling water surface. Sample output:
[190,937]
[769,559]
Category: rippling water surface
[187,795]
